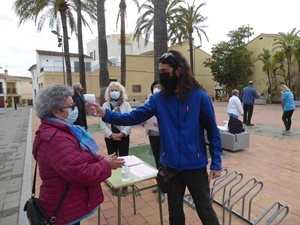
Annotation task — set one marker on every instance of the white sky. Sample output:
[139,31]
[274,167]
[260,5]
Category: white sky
[18,44]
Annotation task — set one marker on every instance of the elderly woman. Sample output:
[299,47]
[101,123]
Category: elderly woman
[288,107]
[235,108]
[116,137]
[66,154]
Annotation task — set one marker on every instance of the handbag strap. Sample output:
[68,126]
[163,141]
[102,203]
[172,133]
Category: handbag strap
[61,201]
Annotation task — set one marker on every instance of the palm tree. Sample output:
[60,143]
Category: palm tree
[297,57]
[102,45]
[286,42]
[160,32]
[42,10]
[91,7]
[265,58]
[122,15]
[188,20]
[163,11]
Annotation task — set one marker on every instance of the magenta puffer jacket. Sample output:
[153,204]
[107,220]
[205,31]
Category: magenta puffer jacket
[61,160]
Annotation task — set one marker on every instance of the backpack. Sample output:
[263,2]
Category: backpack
[235,126]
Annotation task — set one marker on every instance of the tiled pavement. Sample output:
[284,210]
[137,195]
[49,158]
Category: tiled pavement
[271,158]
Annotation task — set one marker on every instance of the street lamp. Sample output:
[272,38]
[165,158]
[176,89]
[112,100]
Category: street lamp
[59,39]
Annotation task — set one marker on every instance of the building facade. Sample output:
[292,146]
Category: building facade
[15,90]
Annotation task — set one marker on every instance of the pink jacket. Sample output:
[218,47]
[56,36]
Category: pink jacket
[61,160]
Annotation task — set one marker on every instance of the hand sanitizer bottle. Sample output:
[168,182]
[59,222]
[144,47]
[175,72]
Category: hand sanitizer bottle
[125,173]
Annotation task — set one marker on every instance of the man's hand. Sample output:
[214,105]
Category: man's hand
[114,161]
[215,174]
[95,109]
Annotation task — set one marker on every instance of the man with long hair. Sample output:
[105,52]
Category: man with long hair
[183,110]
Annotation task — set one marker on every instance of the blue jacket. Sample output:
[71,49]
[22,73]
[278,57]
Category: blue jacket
[249,95]
[181,127]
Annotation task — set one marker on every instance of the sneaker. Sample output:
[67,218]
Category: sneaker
[250,124]
[155,190]
[286,132]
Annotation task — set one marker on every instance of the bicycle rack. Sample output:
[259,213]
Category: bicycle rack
[236,197]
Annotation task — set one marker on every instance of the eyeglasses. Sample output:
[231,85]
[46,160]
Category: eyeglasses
[167,55]
[71,107]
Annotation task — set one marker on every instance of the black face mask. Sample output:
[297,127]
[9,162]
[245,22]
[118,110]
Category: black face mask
[168,81]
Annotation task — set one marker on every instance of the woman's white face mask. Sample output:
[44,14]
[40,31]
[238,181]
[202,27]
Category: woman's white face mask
[156,90]
[72,117]
[115,95]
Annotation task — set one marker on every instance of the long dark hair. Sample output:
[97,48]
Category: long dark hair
[186,81]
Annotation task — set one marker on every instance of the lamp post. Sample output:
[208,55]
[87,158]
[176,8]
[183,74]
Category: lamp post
[59,39]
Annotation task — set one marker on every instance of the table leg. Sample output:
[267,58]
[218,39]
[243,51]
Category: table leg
[133,196]
[160,208]
[119,206]
[99,215]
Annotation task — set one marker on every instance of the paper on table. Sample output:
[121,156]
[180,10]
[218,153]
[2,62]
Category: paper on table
[150,124]
[143,171]
[131,160]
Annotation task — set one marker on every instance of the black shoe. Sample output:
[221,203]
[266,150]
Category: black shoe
[155,190]
[250,124]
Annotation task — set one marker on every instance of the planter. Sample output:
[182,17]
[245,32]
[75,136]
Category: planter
[260,101]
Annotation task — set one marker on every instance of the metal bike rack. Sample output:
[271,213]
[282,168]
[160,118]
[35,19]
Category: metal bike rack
[236,197]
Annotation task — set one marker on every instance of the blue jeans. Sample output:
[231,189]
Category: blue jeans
[233,115]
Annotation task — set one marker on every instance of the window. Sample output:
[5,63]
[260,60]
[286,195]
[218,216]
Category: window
[88,66]
[1,88]
[136,88]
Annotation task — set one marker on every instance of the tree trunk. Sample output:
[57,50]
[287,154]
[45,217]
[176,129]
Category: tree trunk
[102,45]
[191,40]
[160,32]
[80,49]
[62,11]
[122,6]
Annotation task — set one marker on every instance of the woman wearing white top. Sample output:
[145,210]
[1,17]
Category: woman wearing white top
[117,138]
[234,105]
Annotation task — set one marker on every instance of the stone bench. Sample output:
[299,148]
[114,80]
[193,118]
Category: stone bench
[233,142]
[135,104]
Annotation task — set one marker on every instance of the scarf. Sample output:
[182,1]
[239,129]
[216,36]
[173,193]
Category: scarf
[84,138]
[115,105]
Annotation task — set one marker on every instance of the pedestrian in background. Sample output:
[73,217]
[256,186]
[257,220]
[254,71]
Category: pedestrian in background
[79,102]
[67,154]
[288,107]
[181,126]
[249,95]
[235,107]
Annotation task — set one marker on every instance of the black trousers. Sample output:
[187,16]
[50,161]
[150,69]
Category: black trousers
[248,111]
[197,183]
[155,146]
[287,119]
[121,148]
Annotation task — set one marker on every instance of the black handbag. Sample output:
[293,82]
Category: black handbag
[35,213]
[164,177]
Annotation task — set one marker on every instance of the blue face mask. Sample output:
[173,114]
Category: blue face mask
[115,95]
[72,117]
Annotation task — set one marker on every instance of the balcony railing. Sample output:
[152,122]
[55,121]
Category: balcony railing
[11,91]
[60,69]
